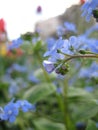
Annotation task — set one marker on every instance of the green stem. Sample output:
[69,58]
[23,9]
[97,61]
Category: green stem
[45,73]
[81,56]
[61,106]
[68,123]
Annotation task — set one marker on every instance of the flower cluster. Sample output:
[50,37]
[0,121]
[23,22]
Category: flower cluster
[11,110]
[62,49]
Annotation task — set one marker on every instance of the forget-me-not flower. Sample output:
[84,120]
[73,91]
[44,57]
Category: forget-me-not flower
[10,112]
[25,105]
[49,66]
[15,44]
[88,8]
[70,26]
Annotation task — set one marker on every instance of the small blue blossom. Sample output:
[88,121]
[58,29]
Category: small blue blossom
[89,72]
[10,112]
[59,90]
[70,26]
[13,88]
[49,66]
[50,42]
[16,67]
[32,78]
[92,45]
[89,88]
[88,8]
[91,30]
[73,40]
[19,68]
[15,44]
[25,105]
[53,54]
[60,30]
[84,73]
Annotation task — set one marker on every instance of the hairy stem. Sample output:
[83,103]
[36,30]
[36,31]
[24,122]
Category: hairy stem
[81,56]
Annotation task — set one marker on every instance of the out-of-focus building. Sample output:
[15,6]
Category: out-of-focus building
[48,27]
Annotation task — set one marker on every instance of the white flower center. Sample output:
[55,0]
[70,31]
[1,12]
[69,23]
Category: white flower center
[9,112]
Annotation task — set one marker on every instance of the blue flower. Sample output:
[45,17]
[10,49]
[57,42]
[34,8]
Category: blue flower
[89,72]
[60,30]
[13,88]
[59,90]
[91,30]
[73,40]
[89,88]
[19,68]
[84,73]
[59,51]
[25,105]
[10,112]
[50,42]
[88,8]
[33,79]
[49,66]
[53,54]
[93,45]
[15,44]
[70,26]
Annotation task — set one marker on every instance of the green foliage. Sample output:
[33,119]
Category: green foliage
[39,92]
[45,124]
[55,109]
[91,125]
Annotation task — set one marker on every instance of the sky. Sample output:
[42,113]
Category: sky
[21,16]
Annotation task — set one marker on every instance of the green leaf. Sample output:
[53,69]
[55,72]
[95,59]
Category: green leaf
[27,36]
[77,92]
[40,91]
[91,125]
[87,110]
[37,46]
[45,124]
[86,105]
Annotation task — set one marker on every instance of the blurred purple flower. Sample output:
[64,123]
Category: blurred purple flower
[39,9]
[49,66]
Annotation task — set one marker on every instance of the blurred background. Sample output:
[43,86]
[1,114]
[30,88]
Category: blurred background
[21,16]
